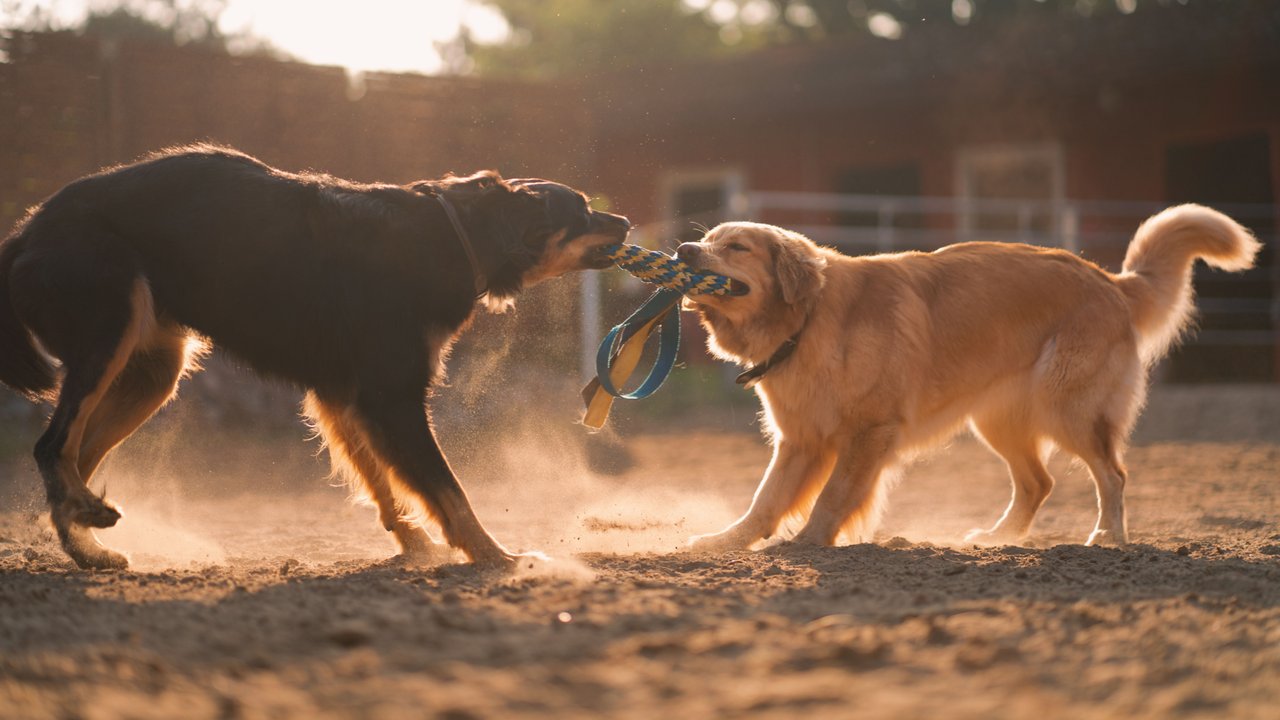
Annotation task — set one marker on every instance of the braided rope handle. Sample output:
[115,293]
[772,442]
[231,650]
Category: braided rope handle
[659,268]
[621,349]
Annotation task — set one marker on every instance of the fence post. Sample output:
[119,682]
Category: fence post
[1071,229]
[589,331]
[884,226]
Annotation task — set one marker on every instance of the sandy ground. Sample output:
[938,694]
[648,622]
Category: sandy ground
[269,604]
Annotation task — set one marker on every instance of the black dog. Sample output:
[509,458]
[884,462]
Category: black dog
[352,291]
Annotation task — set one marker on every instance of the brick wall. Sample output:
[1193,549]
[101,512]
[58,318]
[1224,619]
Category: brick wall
[71,105]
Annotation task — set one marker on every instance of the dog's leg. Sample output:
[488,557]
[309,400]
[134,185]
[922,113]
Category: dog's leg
[93,360]
[1109,477]
[148,381]
[793,478]
[1098,444]
[1032,483]
[1098,385]
[1112,527]
[1094,428]
[850,495]
[416,546]
[400,434]
[348,446]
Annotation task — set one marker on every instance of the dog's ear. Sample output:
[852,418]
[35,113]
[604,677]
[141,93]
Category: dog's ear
[526,222]
[798,268]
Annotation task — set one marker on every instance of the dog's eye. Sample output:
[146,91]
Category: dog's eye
[735,246]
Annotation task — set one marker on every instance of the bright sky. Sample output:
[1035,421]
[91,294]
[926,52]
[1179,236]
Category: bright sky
[390,35]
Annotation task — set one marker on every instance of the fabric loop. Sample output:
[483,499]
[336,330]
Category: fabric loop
[621,348]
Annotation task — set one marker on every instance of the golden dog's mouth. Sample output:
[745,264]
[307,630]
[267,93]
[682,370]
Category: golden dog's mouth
[733,288]
[737,288]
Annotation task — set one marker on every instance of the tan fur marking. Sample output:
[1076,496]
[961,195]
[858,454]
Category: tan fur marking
[371,481]
[142,323]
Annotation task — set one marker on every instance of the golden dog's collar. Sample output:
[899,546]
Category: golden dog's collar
[752,375]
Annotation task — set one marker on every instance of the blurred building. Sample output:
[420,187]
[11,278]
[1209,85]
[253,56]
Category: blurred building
[1063,131]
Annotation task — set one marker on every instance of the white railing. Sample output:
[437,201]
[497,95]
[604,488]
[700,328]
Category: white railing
[862,224]
[955,219]
[859,224]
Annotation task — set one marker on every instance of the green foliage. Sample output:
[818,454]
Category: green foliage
[192,23]
[575,38]
[161,21]
[584,37]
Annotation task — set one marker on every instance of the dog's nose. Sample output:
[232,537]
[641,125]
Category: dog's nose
[689,251]
[603,220]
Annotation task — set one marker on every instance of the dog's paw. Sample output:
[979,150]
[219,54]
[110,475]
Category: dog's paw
[1106,537]
[427,556]
[988,538]
[495,562]
[417,549]
[809,537]
[509,562]
[716,543]
[89,554]
[103,559]
[501,559]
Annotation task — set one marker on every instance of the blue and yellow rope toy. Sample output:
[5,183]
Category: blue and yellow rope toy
[620,350]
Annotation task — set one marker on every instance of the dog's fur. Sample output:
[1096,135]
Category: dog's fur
[1035,348]
[351,291]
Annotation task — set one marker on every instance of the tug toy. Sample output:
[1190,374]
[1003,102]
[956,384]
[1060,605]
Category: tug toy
[620,350]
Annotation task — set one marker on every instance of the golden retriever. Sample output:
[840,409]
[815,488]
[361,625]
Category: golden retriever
[863,360]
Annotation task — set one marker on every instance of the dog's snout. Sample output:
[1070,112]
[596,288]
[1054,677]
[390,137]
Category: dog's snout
[604,220]
[689,251]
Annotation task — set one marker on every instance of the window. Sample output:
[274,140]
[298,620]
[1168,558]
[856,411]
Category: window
[1011,192]
[1237,336]
[700,197]
[896,181]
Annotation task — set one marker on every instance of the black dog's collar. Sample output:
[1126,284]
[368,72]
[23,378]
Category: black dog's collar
[482,284]
[752,375]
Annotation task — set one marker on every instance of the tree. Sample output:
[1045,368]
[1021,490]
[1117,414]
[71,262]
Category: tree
[582,37]
[192,23]
[813,19]
[577,37]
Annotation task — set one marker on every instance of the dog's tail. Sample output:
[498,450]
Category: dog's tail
[1156,277]
[22,366]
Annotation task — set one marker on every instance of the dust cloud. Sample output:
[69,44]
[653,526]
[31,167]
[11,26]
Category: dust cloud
[193,493]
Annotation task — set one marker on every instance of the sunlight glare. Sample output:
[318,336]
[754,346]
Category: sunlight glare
[374,35]
[884,25]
